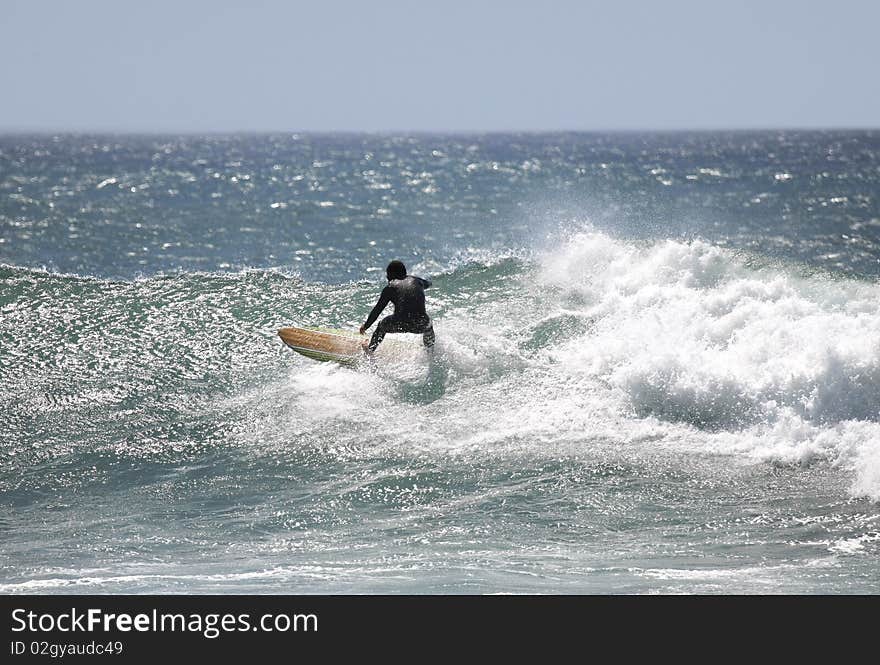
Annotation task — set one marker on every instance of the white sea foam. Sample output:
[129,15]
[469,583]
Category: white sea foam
[756,361]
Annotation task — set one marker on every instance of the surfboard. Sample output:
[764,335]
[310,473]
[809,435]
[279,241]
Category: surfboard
[343,346]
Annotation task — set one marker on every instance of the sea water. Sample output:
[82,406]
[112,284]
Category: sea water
[657,367]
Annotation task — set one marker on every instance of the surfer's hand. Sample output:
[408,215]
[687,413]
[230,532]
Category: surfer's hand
[361,330]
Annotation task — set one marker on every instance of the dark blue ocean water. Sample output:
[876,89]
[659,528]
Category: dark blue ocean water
[658,364]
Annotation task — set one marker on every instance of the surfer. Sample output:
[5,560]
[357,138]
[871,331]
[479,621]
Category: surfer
[407,292]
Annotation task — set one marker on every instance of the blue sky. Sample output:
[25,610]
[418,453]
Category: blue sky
[381,65]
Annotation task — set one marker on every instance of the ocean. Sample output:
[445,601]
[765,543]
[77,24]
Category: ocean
[657,366]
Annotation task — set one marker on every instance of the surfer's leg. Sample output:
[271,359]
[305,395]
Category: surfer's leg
[376,339]
[428,336]
[386,325]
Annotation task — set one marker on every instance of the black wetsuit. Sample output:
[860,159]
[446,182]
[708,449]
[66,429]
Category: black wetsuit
[408,296]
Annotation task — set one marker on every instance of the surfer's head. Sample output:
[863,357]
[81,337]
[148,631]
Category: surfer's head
[395,270]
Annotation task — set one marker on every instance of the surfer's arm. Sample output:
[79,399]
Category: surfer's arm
[424,282]
[384,299]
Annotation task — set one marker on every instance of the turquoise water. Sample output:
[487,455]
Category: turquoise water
[657,370]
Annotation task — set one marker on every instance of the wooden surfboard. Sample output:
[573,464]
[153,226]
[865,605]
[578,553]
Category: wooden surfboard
[337,345]
[341,346]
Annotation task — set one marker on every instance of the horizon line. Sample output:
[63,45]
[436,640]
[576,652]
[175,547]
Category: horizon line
[430,132]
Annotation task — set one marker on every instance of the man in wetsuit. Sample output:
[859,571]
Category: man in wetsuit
[407,292]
